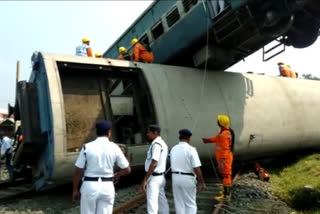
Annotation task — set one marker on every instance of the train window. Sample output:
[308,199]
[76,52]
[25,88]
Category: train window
[157,30]
[188,4]
[144,39]
[173,16]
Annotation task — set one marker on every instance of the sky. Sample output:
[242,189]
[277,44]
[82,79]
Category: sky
[58,26]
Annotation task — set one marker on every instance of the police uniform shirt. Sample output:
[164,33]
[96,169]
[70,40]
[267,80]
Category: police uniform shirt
[158,151]
[6,144]
[99,157]
[184,158]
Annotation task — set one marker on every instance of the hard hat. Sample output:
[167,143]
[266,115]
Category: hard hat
[280,63]
[134,41]
[98,55]
[122,49]
[224,120]
[85,40]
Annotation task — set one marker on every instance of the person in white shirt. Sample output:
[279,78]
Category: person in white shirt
[95,164]
[155,165]
[185,167]
[6,152]
[84,49]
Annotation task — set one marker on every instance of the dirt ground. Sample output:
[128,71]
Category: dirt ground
[249,195]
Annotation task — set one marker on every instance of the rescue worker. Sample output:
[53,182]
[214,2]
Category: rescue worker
[224,155]
[185,167]
[6,152]
[97,55]
[84,49]
[95,162]
[140,52]
[284,70]
[123,54]
[155,165]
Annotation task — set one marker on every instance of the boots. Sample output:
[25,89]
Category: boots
[225,195]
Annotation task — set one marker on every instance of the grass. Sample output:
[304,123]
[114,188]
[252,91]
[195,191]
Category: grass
[299,184]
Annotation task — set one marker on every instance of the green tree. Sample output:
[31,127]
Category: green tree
[310,77]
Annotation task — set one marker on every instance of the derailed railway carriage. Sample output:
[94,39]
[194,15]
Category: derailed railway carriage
[66,95]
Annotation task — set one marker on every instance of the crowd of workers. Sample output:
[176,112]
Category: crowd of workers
[97,160]
[141,52]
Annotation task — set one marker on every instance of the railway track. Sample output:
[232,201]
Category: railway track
[11,190]
[205,201]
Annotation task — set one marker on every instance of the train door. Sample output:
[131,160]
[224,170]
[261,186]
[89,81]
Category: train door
[95,92]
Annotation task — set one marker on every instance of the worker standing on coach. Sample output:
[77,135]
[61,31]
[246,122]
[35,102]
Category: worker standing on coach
[155,165]
[185,164]
[84,49]
[95,162]
[123,54]
[6,152]
[284,70]
[224,155]
[140,52]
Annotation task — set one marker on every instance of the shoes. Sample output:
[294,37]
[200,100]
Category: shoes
[222,198]
[224,195]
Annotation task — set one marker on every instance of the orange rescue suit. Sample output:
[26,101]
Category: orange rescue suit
[285,71]
[223,153]
[89,52]
[141,54]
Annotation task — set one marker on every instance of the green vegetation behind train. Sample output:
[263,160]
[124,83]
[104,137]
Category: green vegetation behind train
[299,184]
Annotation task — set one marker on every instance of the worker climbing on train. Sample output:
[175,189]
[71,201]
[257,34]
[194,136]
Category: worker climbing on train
[141,53]
[123,54]
[285,70]
[84,49]
[224,155]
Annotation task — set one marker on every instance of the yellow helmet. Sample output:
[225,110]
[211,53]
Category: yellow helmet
[85,40]
[122,49]
[224,120]
[134,41]
[97,55]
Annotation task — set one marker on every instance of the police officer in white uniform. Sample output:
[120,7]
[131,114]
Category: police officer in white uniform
[185,167]
[96,162]
[154,181]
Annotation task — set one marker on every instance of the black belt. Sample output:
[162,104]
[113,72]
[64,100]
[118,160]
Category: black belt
[157,174]
[97,178]
[183,173]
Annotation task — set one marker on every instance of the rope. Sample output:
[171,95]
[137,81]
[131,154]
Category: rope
[202,89]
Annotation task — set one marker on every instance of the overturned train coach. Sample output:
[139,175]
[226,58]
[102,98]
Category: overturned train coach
[66,95]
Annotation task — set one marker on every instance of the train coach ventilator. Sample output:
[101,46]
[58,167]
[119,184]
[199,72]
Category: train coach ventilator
[261,172]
